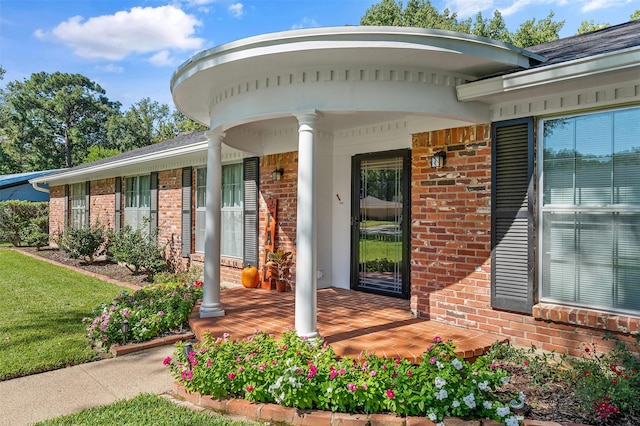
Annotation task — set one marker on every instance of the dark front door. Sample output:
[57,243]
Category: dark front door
[380,223]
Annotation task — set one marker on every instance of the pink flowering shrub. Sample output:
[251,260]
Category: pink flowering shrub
[305,374]
[149,311]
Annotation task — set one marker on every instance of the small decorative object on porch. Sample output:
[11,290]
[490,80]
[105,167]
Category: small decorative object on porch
[250,277]
[280,265]
[269,241]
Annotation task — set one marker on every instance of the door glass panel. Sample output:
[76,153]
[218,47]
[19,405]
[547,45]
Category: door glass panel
[380,245]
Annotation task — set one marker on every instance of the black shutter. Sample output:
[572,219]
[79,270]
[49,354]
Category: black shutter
[87,203]
[118,202]
[512,285]
[66,206]
[153,203]
[186,212]
[251,178]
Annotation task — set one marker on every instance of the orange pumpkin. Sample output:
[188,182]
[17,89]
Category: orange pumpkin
[250,277]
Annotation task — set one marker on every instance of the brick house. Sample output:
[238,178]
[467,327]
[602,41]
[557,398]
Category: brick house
[497,188]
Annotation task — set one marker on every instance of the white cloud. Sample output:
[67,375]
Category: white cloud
[139,31]
[466,8]
[111,68]
[591,5]
[236,10]
[162,59]
[306,23]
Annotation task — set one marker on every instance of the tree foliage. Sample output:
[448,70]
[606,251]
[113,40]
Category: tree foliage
[422,14]
[590,26]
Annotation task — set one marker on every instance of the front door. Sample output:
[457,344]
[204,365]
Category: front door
[380,223]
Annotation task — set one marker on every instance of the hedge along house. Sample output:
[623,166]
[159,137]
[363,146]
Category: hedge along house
[496,188]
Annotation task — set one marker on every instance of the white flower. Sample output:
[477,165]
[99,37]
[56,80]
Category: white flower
[503,411]
[455,403]
[432,417]
[512,421]
[470,400]
[521,397]
[487,405]
[457,364]
[483,385]
[280,398]
[505,379]
[440,382]
[440,365]
[329,390]
[441,394]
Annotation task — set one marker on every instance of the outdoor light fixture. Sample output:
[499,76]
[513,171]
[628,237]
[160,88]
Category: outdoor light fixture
[124,327]
[277,173]
[187,349]
[437,161]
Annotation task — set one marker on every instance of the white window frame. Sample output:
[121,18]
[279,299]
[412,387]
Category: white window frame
[78,205]
[620,214]
[232,205]
[137,201]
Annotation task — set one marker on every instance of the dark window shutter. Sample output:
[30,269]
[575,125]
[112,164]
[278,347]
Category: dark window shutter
[186,211]
[512,285]
[153,203]
[251,178]
[118,202]
[66,206]
[87,203]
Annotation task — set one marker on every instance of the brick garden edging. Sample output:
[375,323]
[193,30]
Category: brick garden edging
[292,416]
[118,350]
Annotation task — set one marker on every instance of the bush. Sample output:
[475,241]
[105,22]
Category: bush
[17,216]
[36,233]
[138,250]
[84,242]
[298,373]
[149,311]
[193,274]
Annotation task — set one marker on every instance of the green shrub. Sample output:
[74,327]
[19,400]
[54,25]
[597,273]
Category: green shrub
[193,274]
[138,250]
[16,216]
[148,311]
[295,372]
[83,242]
[36,233]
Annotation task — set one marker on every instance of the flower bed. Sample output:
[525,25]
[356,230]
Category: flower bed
[148,312]
[295,372]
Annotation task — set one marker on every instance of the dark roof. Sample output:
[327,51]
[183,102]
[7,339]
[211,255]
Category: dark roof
[177,142]
[617,37]
[7,181]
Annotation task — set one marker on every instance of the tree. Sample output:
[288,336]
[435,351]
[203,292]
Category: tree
[590,26]
[422,14]
[52,119]
[635,15]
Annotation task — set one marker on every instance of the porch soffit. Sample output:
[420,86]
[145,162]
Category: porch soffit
[347,56]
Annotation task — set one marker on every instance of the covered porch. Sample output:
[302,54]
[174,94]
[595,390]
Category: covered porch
[350,321]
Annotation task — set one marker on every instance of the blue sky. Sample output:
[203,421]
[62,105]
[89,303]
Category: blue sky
[131,48]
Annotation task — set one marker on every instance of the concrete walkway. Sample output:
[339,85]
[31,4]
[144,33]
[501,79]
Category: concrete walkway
[43,396]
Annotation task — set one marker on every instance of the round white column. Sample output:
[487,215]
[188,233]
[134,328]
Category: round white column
[211,306]
[306,302]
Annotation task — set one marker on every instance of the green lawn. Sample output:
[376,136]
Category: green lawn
[41,312]
[374,249]
[145,409]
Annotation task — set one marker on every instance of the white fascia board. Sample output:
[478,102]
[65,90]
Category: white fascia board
[582,67]
[114,166]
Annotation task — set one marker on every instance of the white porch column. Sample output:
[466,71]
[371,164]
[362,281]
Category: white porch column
[306,301]
[211,306]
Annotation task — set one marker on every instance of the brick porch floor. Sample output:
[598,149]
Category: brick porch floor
[350,321]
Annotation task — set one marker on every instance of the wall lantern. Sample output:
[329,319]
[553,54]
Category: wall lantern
[437,161]
[277,173]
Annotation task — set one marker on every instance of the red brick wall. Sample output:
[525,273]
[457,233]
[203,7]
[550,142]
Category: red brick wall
[102,202]
[451,251]
[56,211]
[170,207]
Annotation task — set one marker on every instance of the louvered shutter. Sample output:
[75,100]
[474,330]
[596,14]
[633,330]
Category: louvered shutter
[512,216]
[251,175]
[186,212]
[66,206]
[153,203]
[118,203]
[87,203]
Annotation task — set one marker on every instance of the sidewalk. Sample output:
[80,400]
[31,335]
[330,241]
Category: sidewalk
[43,396]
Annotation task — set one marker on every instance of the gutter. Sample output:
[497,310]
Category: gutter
[38,188]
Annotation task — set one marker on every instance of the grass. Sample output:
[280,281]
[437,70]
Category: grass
[41,312]
[376,249]
[145,409]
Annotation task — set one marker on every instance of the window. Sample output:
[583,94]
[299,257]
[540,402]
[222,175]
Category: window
[137,201]
[232,211]
[590,210]
[78,205]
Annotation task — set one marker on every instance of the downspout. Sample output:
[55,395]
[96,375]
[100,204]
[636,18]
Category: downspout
[38,188]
